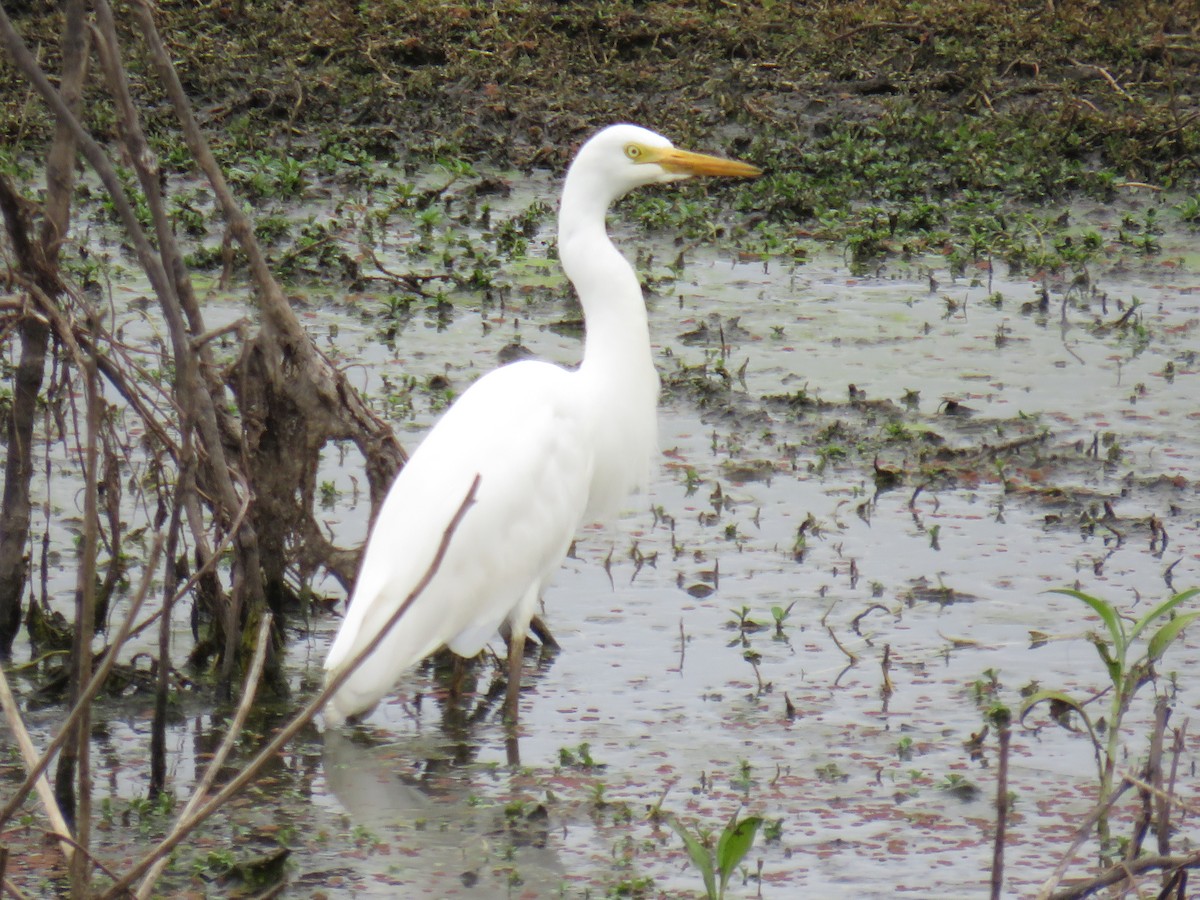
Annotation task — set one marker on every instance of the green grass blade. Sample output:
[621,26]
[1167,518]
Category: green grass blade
[1106,612]
[701,858]
[1165,636]
[1162,609]
[736,841]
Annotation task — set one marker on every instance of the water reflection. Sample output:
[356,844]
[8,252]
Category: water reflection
[417,798]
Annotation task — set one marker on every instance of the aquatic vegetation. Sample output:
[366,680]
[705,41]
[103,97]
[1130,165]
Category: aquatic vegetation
[716,868]
[1129,665]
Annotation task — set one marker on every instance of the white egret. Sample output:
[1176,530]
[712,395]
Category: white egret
[553,448]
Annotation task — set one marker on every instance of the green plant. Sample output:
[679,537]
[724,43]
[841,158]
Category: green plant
[578,757]
[780,615]
[735,842]
[329,494]
[1128,669]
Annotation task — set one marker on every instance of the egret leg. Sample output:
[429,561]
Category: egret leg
[516,659]
[457,676]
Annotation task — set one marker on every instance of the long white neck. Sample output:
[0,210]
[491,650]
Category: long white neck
[608,289]
[617,373]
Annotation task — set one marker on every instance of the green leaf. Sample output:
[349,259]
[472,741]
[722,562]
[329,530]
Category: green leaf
[1162,609]
[736,841]
[1106,612]
[1066,699]
[1165,636]
[1113,667]
[701,858]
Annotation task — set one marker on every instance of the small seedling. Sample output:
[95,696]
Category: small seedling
[831,773]
[743,623]
[959,786]
[735,842]
[742,781]
[780,614]
[578,757]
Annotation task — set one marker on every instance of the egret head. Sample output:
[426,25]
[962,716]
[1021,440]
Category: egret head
[627,156]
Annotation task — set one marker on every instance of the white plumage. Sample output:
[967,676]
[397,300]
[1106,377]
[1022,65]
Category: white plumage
[553,448]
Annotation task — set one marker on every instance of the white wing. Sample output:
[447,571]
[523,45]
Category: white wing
[522,430]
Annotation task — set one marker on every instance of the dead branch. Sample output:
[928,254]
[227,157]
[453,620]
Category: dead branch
[336,399]
[89,693]
[249,689]
[1128,870]
[178,304]
[183,828]
[1046,892]
[29,754]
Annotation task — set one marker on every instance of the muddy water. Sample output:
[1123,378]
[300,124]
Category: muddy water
[872,788]
[655,679]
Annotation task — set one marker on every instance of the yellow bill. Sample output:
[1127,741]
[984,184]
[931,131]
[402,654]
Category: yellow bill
[684,162]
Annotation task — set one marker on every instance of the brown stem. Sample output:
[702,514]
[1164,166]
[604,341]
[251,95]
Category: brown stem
[173,289]
[1127,870]
[1081,835]
[98,678]
[40,263]
[249,689]
[331,397]
[13,716]
[1005,734]
[85,626]
[183,828]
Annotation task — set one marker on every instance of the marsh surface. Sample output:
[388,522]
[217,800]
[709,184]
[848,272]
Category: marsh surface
[1004,435]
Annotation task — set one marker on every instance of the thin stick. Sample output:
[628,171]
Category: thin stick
[1172,799]
[29,754]
[1001,811]
[824,621]
[1085,828]
[85,698]
[85,630]
[1126,870]
[12,889]
[183,828]
[214,766]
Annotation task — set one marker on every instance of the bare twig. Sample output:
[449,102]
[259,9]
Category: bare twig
[85,629]
[1081,834]
[373,436]
[85,698]
[1127,870]
[183,828]
[249,689]
[1162,806]
[832,634]
[1169,798]
[182,315]
[45,793]
[1103,72]
[1001,811]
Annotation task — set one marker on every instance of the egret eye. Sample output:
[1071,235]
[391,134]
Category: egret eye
[633,151]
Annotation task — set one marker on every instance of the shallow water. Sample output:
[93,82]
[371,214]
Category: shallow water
[947,582]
